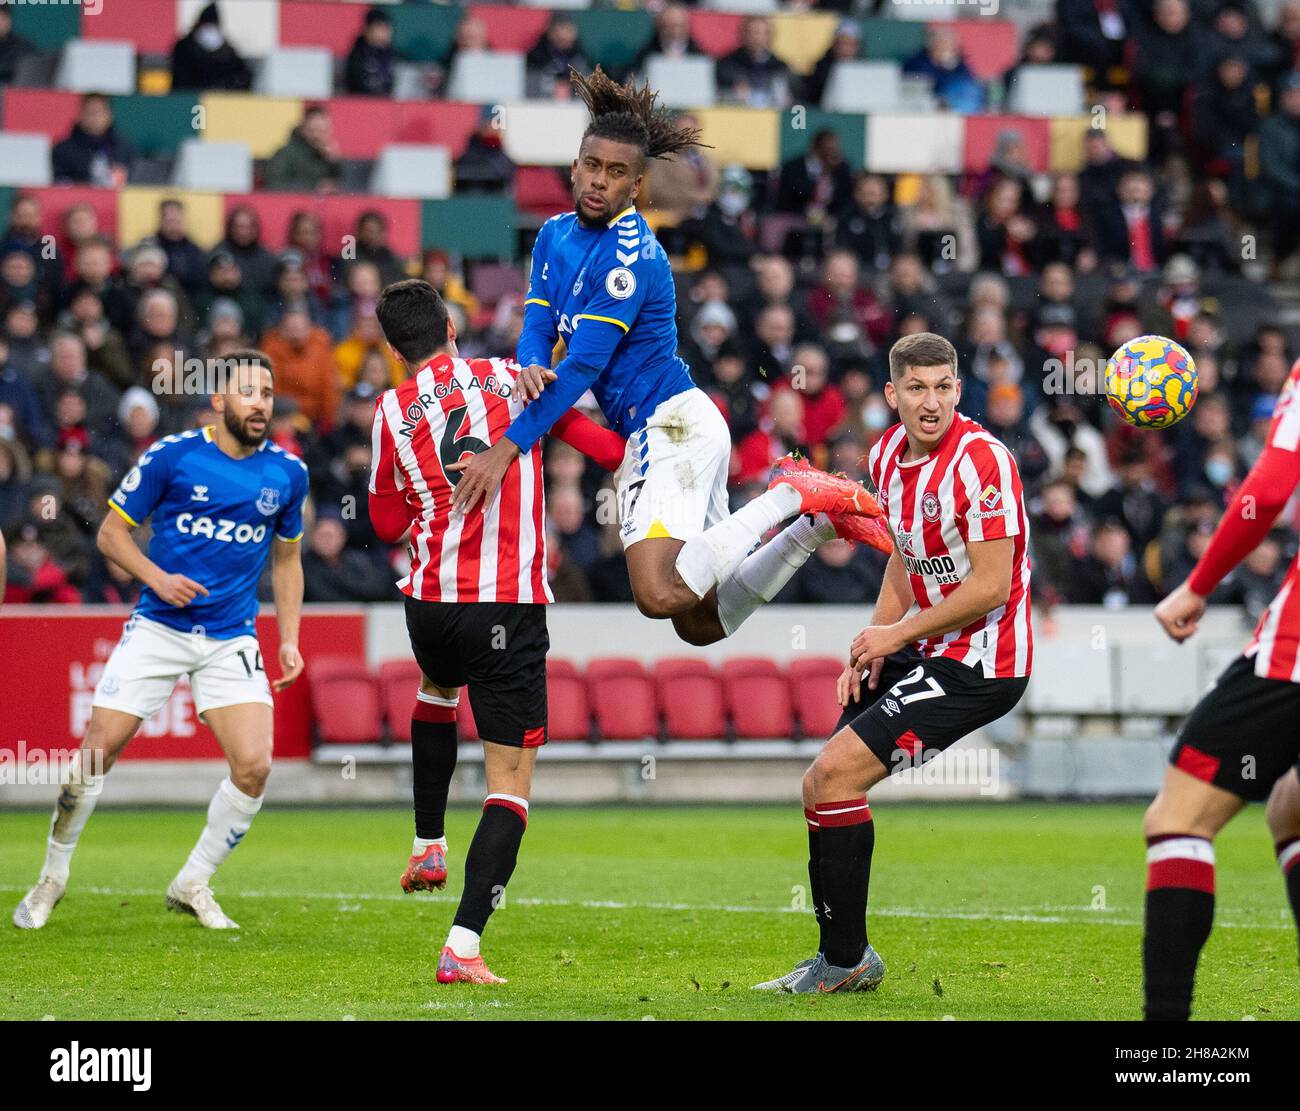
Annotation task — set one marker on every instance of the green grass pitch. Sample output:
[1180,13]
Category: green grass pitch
[980,911]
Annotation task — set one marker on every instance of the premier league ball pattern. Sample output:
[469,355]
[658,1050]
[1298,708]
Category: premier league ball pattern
[1151,382]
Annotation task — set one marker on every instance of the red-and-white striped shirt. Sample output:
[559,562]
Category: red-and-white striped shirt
[1276,643]
[967,489]
[449,409]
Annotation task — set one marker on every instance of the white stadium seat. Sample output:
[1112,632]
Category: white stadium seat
[486,77]
[252,26]
[542,132]
[102,66]
[744,7]
[860,86]
[1054,90]
[1070,678]
[682,82]
[24,159]
[412,170]
[305,71]
[1154,678]
[925,143]
[214,167]
[410,81]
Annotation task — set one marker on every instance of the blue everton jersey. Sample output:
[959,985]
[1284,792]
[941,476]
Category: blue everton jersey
[608,293]
[213,521]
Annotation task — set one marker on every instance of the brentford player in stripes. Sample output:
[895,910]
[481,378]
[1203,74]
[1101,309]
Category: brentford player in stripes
[952,496]
[475,595]
[1239,744]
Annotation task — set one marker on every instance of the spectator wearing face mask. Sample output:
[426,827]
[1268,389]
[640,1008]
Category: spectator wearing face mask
[728,231]
[204,59]
[1059,538]
[1059,426]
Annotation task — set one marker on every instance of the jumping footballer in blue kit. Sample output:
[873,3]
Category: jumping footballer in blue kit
[602,285]
[221,500]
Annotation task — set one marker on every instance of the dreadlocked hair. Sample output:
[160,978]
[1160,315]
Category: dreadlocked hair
[630,114]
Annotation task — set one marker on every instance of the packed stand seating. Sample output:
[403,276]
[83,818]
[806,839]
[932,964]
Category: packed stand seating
[1038,190]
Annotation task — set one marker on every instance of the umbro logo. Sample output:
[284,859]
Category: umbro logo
[200,494]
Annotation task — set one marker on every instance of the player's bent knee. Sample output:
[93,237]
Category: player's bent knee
[250,774]
[809,789]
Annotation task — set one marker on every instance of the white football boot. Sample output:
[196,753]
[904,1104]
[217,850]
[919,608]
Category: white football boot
[198,900]
[39,903]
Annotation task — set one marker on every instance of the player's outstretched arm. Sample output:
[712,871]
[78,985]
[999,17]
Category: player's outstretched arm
[114,541]
[286,588]
[986,587]
[1246,521]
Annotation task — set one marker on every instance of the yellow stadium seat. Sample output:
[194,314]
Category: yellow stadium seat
[137,214]
[801,39]
[750,136]
[263,122]
[155,82]
[1127,133]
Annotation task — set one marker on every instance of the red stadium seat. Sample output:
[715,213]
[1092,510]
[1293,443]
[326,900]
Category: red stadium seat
[718,33]
[399,682]
[320,23]
[57,199]
[568,708]
[344,700]
[812,690]
[981,137]
[758,698]
[511,28]
[542,190]
[338,214]
[363,126]
[44,111]
[989,45]
[690,697]
[623,698]
[149,24]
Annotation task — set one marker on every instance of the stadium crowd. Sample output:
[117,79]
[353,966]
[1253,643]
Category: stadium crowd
[792,285]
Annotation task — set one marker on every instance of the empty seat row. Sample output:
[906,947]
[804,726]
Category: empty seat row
[613,699]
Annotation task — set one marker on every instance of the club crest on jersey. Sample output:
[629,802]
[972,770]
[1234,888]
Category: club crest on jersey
[268,501]
[930,507]
[620,283]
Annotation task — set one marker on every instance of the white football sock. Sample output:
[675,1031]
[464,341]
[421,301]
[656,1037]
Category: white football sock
[763,573]
[76,803]
[463,942]
[230,815]
[422,843]
[707,559]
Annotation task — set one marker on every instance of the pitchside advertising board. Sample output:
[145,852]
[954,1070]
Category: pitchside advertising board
[54,656]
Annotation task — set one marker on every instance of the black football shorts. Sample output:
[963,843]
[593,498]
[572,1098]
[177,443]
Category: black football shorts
[922,706]
[496,649]
[1244,733]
